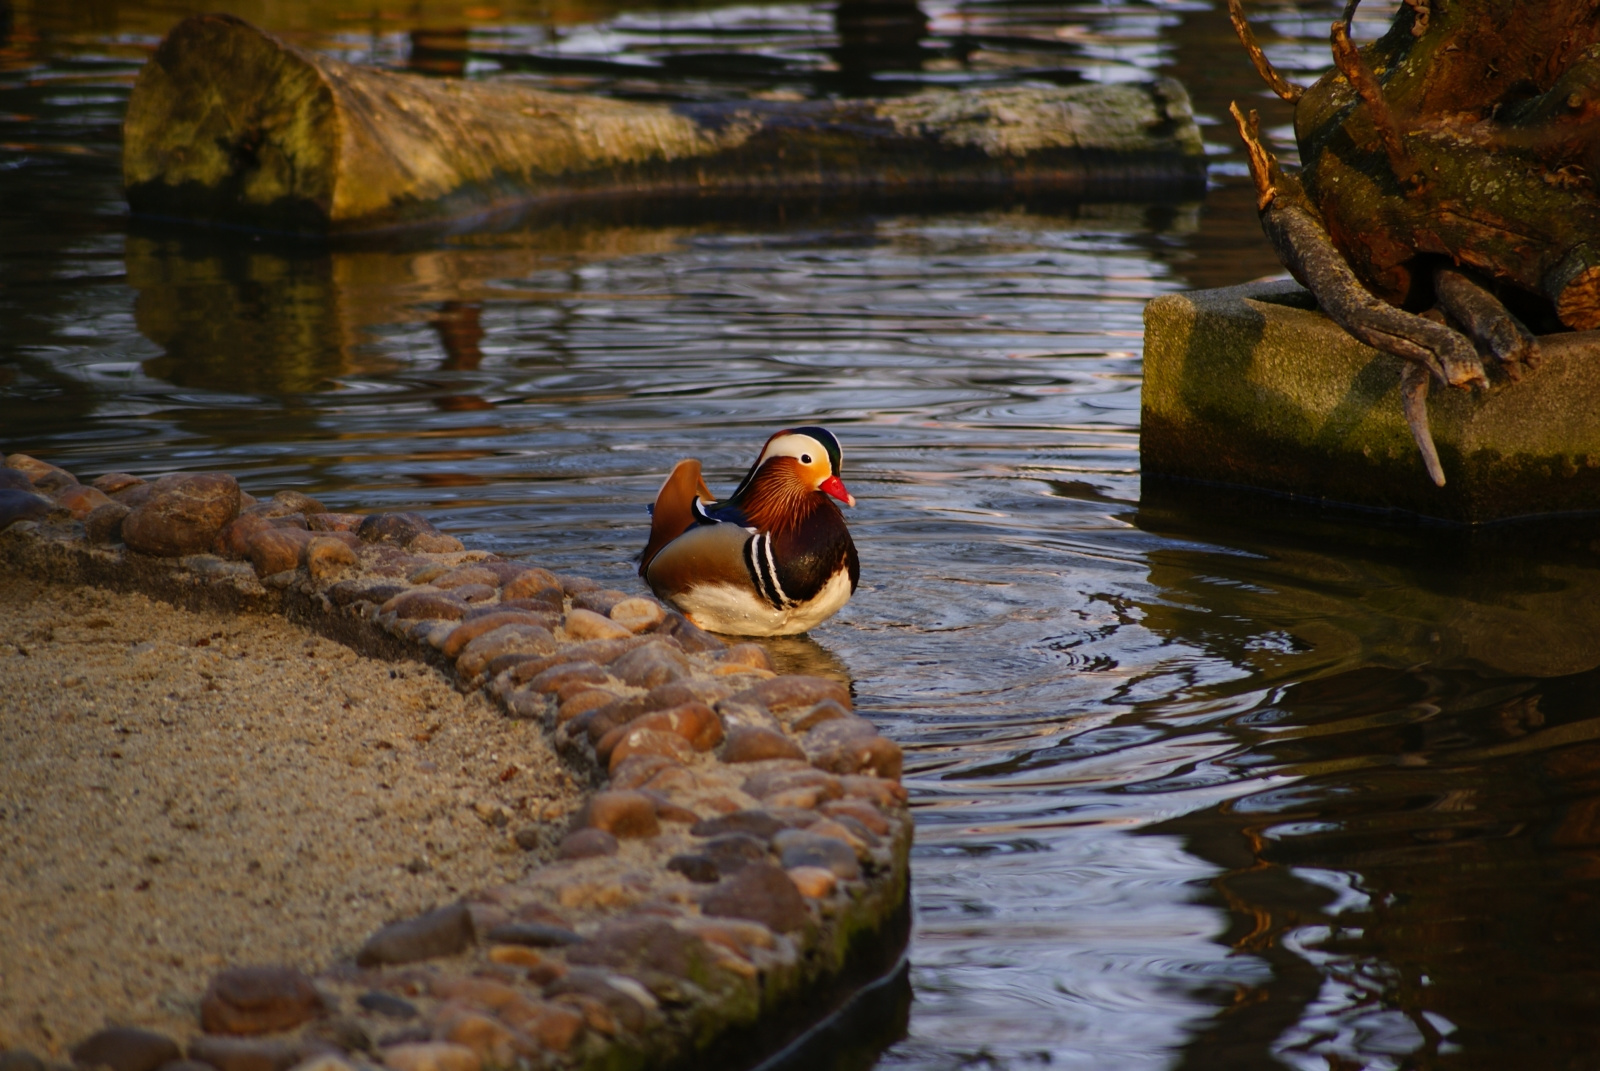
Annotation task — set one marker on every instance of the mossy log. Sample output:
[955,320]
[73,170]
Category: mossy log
[229,125]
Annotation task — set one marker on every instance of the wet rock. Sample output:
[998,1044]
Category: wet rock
[695,866]
[587,625]
[507,639]
[533,935]
[731,852]
[600,600]
[286,520]
[327,558]
[436,544]
[532,582]
[334,522]
[80,501]
[258,1000]
[747,743]
[36,470]
[274,550]
[233,542]
[441,932]
[112,482]
[183,515]
[387,1005]
[848,830]
[431,1056]
[802,847]
[463,575]
[12,480]
[637,615]
[104,524]
[587,844]
[864,813]
[784,695]
[621,813]
[651,943]
[577,585]
[852,745]
[813,882]
[770,782]
[551,607]
[244,1054]
[689,636]
[756,823]
[809,719]
[652,665]
[125,1048]
[760,892]
[22,506]
[426,606]
[746,654]
[397,528]
[285,503]
[881,791]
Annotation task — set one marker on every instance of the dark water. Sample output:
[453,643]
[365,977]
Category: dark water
[1201,782]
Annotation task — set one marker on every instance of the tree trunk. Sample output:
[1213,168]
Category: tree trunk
[228,125]
[1475,139]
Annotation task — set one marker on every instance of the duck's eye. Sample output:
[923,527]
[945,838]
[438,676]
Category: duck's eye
[805,459]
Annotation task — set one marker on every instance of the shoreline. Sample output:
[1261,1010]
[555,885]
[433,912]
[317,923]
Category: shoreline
[722,850]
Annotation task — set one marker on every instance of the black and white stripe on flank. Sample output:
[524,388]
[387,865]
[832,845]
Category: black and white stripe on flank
[758,559]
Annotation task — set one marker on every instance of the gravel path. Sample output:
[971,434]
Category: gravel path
[180,791]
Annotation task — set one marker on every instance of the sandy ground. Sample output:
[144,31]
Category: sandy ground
[183,791]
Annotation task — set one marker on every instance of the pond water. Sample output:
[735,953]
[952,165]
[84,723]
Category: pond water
[1201,781]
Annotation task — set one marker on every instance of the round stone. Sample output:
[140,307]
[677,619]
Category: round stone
[125,1048]
[258,1000]
[586,844]
[750,743]
[622,814]
[587,625]
[760,892]
[183,514]
[814,882]
[637,614]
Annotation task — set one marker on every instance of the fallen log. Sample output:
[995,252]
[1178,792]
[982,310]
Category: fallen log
[229,125]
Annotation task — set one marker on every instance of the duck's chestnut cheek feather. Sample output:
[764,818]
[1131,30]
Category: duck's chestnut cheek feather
[835,487]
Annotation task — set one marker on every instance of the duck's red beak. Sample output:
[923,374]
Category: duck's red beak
[835,487]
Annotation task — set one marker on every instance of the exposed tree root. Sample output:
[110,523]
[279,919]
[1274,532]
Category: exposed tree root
[1486,320]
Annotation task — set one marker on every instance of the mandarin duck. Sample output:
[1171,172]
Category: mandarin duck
[774,559]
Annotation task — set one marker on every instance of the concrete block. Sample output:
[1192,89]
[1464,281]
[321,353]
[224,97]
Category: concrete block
[1251,386]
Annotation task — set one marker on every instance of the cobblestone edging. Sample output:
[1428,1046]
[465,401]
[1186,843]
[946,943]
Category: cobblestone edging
[739,871]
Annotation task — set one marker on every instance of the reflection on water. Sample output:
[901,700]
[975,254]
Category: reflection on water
[1200,781]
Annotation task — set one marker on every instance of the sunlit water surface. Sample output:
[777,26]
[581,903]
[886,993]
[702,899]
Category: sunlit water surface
[1199,782]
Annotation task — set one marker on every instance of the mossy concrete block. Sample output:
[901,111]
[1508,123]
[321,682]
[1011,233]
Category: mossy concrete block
[1252,386]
